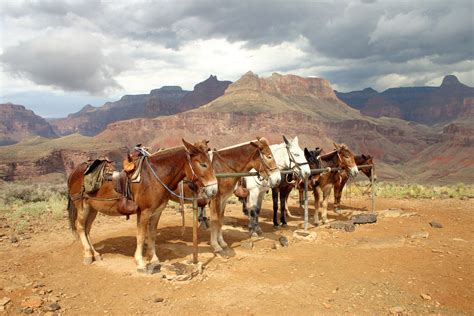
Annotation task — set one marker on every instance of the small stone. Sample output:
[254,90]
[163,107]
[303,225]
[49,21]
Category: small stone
[304,235]
[436,225]
[158,300]
[13,239]
[32,301]
[327,305]
[397,310]
[364,218]
[27,310]
[4,301]
[459,239]
[283,241]
[52,307]
[247,245]
[426,297]
[436,251]
[419,235]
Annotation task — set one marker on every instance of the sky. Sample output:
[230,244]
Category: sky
[56,56]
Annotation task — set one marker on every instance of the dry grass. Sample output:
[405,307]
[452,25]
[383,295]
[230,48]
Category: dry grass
[21,203]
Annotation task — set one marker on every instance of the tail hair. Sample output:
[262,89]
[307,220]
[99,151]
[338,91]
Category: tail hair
[72,214]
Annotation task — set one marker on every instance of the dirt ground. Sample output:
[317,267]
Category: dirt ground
[378,269]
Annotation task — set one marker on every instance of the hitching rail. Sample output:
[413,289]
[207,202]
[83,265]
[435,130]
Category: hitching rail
[254,173]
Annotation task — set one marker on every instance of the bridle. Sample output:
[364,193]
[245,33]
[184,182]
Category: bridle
[297,165]
[266,167]
[192,181]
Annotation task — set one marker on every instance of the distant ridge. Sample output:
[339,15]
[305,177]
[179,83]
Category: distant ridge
[427,105]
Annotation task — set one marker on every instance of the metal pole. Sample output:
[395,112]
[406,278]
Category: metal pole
[373,187]
[305,204]
[195,228]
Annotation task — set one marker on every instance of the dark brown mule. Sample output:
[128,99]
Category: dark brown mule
[238,158]
[321,184]
[343,176]
[160,172]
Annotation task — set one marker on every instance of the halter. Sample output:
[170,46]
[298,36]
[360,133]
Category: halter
[265,166]
[297,168]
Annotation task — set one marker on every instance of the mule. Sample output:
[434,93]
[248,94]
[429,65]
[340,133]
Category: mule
[160,173]
[321,184]
[288,156]
[344,177]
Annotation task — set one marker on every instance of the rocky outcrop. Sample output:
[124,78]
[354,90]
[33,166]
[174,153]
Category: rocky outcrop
[427,105]
[166,100]
[17,122]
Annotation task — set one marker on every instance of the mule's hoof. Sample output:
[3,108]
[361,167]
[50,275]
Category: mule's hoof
[253,234]
[204,226]
[88,260]
[153,268]
[98,258]
[142,270]
[284,225]
[221,253]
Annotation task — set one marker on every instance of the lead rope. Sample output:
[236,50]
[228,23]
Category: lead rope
[181,207]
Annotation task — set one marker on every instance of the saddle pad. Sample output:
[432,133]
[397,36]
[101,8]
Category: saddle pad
[94,175]
[136,176]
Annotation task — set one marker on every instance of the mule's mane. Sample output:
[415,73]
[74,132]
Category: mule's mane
[238,145]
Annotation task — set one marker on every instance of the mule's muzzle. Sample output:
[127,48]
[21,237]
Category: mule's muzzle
[274,179]
[210,190]
[354,171]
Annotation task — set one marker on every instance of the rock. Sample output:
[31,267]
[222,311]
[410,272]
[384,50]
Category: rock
[32,301]
[419,235]
[348,226]
[158,300]
[459,239]
[181,271]
[436,225]
[27,310]
[304,235]
[426,297]
[52,307]
[247,244]
[364,218]
[13,239]
[397,310]
[283,241]
[395,212]
[4,301]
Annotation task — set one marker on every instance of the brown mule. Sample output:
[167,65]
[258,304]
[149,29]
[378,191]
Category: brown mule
[343,176]
[238,158]
[160,172]
[321,184]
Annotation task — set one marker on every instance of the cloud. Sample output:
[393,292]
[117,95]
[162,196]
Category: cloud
[88,45]
[68,59]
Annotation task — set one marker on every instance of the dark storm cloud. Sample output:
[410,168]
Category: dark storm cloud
[370,38]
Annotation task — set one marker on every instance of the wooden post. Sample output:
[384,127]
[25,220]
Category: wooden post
[372,183]
[195,228]
[306,204]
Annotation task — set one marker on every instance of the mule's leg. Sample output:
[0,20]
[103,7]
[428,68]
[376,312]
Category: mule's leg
[301,197]
[261,196]
[215,204]
[90,220]
[220,237]
[326,193]
[142,228]
[275,206]
[151,236]
[81,223]
[317,192]
[203,220]
[283,193]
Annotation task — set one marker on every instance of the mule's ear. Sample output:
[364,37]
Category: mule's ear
[364,157]
[190,148]
[287,142]
[207,141]
[257,144]
[295,140]
[306,152]
[336,145]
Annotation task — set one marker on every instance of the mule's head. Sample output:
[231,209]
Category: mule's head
[346,159]
[200,170]
[295,158]
[264,162]
[365,160]
[312,156]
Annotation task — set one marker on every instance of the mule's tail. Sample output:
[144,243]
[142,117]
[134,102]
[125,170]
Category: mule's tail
[72,212]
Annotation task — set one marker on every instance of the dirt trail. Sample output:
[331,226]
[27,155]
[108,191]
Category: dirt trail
[373,270]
